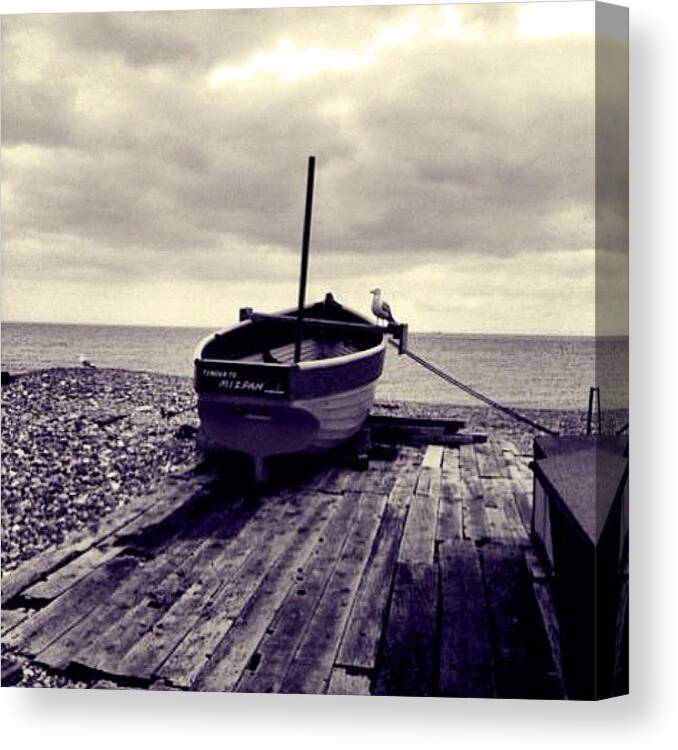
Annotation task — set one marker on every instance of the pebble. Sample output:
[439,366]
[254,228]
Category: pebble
[61,470]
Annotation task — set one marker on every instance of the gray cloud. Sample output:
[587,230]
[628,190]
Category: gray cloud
[119,157]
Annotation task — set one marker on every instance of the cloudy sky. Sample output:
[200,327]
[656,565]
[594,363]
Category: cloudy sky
[154,164]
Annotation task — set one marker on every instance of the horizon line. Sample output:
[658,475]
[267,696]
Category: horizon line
[219,327]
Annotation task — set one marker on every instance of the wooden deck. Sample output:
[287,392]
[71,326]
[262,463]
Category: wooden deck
[413,577]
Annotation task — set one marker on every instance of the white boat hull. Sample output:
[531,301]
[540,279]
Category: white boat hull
[261,429]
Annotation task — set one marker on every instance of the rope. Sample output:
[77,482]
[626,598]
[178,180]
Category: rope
[471,392]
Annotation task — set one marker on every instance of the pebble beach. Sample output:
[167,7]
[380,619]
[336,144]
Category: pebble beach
[77,443]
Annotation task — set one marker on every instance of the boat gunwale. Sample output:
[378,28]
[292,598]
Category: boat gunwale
[303,365]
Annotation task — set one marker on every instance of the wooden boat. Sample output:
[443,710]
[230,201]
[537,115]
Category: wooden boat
[287,383]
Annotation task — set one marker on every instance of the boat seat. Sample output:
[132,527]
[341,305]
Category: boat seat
[311,349]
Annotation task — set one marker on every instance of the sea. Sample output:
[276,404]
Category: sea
[535,372]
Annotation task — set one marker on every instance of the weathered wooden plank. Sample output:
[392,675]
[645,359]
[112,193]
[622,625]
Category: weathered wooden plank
[468,462]
[450,521]
[149,591]
[406,663]
[310,669]
[549,619]
[376,482]
[433,457]
[343,682]
[66,576]
[523,666]
[465,668]
[32,570]
[360,641]
[210,570]
[141,596]
[177,648]
[13,617]
[278,645]
[535,567]
[450,463]
[512,511]
[184,638]
[419,535]
[491,461]
[218,666]
[503,522]
[46,562]
[524,504]
[41,629]
[474,518]
[89,641]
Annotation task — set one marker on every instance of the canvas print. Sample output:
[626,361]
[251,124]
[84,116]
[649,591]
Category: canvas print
[315,350]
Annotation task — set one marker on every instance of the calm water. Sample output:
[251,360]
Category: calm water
[526,371]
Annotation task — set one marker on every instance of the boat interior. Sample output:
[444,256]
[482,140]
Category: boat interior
[272,341]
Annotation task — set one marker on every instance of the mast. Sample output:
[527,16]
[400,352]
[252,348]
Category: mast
[303,275]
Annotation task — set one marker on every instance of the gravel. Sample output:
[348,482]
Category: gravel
[78,443]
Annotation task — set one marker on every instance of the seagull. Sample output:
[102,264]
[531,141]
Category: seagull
[381,309]
[86,363]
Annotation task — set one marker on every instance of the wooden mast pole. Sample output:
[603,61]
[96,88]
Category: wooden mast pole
[304,256]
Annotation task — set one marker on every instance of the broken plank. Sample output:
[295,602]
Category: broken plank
[465,668]
[75,544]
[145,596]
[406,661]
[40,630]
[230,547]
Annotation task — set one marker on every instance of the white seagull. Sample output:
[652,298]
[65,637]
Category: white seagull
[380,308]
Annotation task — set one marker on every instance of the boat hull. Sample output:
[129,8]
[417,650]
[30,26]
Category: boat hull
[255,397]
[261,429]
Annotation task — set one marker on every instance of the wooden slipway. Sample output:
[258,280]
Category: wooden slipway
[413,577]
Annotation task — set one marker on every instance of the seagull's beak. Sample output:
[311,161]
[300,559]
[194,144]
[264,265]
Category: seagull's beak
[373,291]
